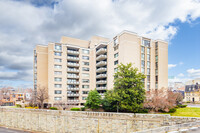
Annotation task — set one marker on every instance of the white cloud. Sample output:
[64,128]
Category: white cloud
[181,63]
[193,73]
[171,66]
[181,75]
[24,25]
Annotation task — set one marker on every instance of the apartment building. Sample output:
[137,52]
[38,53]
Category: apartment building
[73,67]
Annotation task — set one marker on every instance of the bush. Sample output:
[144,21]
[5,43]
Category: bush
[143,111]
[53,108]
[18,105]
[172,110]
[83,109]
[182,106]
[75,109]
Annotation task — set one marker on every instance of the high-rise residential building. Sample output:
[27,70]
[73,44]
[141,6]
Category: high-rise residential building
[73,67]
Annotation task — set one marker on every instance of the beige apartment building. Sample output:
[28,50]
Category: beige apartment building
[73,67]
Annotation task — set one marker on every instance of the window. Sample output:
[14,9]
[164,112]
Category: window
[156,65]
[148,71]
[148,64]
[57,92]
[148,50]
[85,57]
[85,69]
[57,79]
[116,69]
[142,50]
[57,72]
[142,70]
[116,55]
[85,92]
[156,58]
[85,80]
[57,98]
[116,62]
[84,98]
[58,47]
[84,51]
[85,74]
[57,53]
[148,78]
[116,48]
[58,85]
[148,57]
[85,86]
[58,66]
[57,60]
[156,45]
[115,40]
[146,43]
[86,63]
[142,56]
[143,64]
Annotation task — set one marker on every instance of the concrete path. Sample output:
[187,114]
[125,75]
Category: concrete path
[193,105]
[6,130]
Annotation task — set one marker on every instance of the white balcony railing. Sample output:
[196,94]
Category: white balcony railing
[72,70]
[73,76]
[101,69]
[101,76]
[73,101]
[73,82]
[101,51]
[101,82]
[101,63]
[101,57]
[73,64]
[101,88]
[72,58]
[73,94]
[73,52]
[72,88]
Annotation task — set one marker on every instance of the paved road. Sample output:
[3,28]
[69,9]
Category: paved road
[6,130]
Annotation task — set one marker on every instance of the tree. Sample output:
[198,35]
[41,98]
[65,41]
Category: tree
[93,100]
[129,93]
[41,95]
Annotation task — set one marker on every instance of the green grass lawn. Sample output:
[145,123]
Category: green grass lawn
[187,112]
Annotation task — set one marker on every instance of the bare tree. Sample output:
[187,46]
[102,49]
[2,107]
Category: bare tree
[41,95]
[161,100]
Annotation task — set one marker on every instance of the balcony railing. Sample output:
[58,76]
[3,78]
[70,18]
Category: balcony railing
[73,64]
[101,88]
[101,70]
[73,94]
[73,52]
[72,58]
[72,82]
[101,76]
[73,76]
[101,57]
[73,70]
[73,101]
[101,51]
[72,88]
[101,82]
[101,63]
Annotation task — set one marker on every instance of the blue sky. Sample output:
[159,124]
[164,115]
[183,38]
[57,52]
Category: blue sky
[31,22]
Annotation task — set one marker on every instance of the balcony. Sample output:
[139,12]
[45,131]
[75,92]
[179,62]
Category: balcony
[73,64]
[101,88]
[72,52]
[72,82]
[99,70]
[72,58]
[101,57]
[101,51]
[73,95]
[101,63]
[102,94]
[73,101]
[73,70]
[72,89]
[73,76]
[101,82]
[101,76]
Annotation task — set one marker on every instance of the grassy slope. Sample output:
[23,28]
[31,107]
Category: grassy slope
[187,112]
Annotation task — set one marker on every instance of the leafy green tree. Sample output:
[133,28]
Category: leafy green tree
[128,93]
[93,100]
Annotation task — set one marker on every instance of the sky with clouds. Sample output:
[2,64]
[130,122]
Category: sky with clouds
[25,23]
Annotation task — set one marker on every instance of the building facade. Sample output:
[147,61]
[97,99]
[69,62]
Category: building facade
[73,67]
[192,93]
